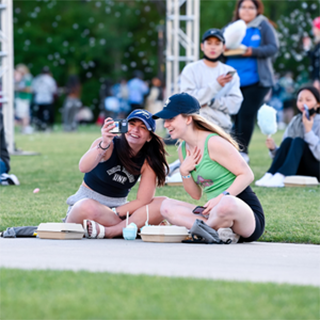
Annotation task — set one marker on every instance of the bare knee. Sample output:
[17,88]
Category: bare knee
[166,208]
[87,208]
[226,207]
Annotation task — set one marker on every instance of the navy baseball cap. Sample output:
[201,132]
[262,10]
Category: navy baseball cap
[217,33]
[180,103]
[145,116]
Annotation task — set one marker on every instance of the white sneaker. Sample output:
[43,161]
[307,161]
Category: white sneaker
[227,233]
[9,179]
[175,179]
[245,157]
[173,167]
[277,181]
[267,176]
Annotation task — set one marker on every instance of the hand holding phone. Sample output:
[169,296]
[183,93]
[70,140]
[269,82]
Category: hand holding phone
[198,210]
[231,73]
[306,109]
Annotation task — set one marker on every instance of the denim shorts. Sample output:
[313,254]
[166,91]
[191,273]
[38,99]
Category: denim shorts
[86,193]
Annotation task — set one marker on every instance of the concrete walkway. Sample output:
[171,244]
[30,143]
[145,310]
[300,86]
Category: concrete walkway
[258,261]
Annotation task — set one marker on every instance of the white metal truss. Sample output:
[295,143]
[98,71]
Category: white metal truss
[182,39]
[6,70]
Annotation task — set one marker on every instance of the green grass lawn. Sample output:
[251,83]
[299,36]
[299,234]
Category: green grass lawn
[84,295]
[292,215]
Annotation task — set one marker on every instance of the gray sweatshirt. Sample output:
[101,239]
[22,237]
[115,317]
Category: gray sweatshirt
[200,81]
[296,129]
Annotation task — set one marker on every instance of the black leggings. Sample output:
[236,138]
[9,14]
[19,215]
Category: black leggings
[244,121]
[295,157]
[250,198]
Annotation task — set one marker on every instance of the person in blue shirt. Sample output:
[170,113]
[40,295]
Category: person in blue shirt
[137,90]
[254,67]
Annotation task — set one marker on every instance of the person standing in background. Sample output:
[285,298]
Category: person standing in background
[314,53]
[23,97]
[44,88]
[72,104]
[137,90]
[254,67]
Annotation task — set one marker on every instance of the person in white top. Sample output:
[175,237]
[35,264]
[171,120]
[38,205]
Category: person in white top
[214,84]
[44,88]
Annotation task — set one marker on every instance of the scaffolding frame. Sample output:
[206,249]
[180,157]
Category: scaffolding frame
[182,39]
[6,70]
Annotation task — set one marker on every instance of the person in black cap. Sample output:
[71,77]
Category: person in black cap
[210,162]
[215,85]
[112,166]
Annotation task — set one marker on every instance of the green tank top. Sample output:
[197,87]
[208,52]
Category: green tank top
[212,177]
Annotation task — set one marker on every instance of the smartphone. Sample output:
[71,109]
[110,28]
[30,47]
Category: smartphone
[231,72]
[307,111]
[121,126]
[198,210]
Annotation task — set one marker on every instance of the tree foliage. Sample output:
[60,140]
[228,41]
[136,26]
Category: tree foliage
[110,39]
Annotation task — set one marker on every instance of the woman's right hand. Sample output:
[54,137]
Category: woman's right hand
[190,162]
[107,136]
[270,144]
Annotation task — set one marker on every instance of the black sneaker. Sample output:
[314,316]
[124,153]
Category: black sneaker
[9,179]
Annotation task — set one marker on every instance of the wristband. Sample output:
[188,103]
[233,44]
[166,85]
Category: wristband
[104,149]
[186,177]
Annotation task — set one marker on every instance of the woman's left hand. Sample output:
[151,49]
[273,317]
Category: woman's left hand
[211,204]
[307,123]
[248,52]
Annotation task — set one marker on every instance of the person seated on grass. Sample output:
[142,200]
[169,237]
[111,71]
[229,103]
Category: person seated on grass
[210,161]
[299,152]
[5,178]
[112,166]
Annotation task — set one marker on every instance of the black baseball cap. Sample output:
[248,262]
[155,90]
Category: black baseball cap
[180,103]
[145,116]
[217,33]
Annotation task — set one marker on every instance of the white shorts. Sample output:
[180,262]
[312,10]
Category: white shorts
[22,108]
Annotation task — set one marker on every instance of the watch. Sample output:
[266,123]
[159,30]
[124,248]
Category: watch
[226,193]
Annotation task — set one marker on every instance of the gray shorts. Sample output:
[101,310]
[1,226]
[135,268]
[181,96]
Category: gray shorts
[85,193]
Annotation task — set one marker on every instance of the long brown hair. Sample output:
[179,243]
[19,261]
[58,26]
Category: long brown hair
[258,4]
[201,123]
[153,151]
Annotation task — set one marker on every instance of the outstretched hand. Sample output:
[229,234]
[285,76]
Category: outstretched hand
[190,162]
[107,136]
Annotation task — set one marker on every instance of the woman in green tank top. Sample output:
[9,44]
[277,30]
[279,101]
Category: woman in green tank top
[210,163]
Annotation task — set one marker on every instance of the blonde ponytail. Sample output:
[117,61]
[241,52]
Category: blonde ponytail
[201,123]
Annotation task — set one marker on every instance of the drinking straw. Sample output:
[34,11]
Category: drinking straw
[147,222]
[127,217]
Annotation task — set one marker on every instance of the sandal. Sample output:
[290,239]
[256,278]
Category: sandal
[226,234]
[94,234]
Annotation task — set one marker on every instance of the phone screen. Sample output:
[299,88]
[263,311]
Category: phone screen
[231,72]
[198,209]
[307,111]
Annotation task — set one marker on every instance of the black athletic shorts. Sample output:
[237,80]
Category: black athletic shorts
[250,198]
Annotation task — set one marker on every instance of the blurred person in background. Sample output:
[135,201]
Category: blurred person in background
[154,101]
[72,103]
[23,97]
[45,90]
[121,92]
[5,177]
[254,67]
[137,90]
[314,52]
